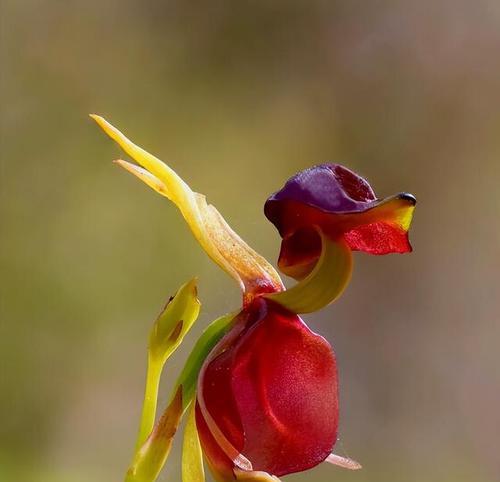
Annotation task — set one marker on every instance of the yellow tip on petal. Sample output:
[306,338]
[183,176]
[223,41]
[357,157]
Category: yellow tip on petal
[396,209]
[219,241]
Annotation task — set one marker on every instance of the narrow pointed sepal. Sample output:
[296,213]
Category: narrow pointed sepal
[145,176]
[192,456]
[253,273]
[344,462]
[324,284]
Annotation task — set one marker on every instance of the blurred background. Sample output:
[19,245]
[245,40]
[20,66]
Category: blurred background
[237,97]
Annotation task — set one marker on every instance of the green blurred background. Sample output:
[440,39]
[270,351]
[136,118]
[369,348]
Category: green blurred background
[238,96]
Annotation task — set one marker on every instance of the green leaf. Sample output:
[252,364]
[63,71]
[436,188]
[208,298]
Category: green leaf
[209,338]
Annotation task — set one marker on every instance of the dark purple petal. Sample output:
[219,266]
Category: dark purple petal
[331,188]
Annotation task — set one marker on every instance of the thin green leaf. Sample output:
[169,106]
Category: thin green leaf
[210,337]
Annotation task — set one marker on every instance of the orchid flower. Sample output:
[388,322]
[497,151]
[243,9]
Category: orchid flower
[261,388]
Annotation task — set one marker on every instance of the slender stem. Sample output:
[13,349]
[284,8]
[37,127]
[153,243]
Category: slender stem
[148,416]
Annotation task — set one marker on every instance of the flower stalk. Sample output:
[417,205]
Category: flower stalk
[167,333]
[153,375]
[150,458]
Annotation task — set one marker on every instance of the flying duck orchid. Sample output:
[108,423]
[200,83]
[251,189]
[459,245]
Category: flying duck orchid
[260,389]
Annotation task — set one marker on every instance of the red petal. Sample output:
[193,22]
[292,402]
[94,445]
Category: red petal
[385,229]
[379,238]
[283,403]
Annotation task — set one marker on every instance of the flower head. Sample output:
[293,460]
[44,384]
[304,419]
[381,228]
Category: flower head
[262,387]
[336,201]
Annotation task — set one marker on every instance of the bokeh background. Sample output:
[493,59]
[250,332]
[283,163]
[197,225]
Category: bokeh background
[238,96]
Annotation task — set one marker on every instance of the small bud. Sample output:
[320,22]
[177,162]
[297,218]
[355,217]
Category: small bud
[174,322]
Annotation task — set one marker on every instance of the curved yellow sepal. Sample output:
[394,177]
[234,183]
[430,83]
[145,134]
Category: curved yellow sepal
[324,284]
[192,456]
[220,242]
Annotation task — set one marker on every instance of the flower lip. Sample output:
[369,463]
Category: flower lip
[270,388]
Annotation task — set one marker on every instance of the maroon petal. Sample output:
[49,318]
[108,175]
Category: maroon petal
[342,204]
[273,394]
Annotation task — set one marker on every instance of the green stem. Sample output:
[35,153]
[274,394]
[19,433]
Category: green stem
[148,416]
[153,444]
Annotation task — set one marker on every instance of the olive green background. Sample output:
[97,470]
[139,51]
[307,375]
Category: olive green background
[238,96]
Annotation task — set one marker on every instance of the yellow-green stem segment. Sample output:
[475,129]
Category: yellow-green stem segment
[152,453]
[148,416]
[167,333]
[324,284]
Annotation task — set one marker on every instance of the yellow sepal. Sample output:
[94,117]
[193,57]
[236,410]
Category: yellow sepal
[253,273]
